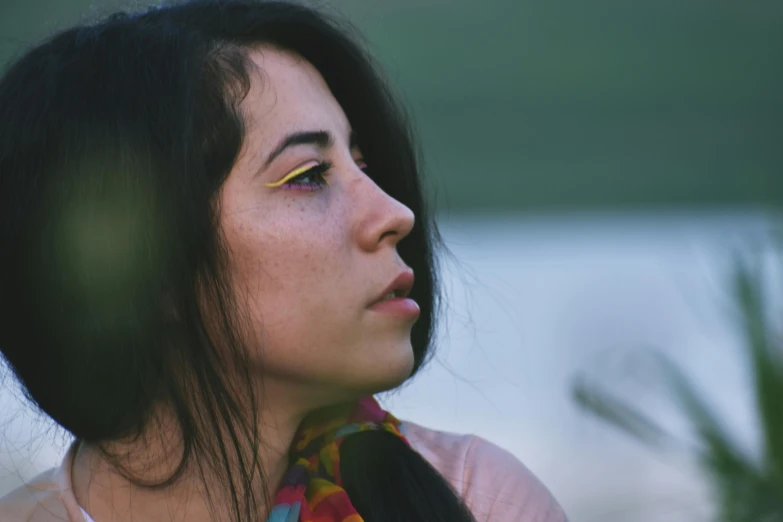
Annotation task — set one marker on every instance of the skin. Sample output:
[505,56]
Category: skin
[307,261]
[310,261]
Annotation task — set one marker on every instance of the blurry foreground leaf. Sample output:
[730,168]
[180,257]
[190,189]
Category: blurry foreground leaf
[745,488]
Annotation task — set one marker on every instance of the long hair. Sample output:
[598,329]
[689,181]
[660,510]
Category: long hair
[115,138]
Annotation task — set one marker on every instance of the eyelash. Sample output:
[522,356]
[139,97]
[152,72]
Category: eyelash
[320,171]
[317,170]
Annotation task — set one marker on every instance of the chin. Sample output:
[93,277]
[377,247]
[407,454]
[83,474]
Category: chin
[391,372]
[386,368]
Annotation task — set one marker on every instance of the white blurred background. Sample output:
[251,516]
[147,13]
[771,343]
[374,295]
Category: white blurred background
[533,303]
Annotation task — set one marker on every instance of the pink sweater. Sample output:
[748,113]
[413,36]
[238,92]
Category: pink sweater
[493,483]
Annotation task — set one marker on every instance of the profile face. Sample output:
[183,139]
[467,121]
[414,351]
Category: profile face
[312,243]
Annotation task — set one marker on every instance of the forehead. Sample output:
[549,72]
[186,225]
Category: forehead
[288,94]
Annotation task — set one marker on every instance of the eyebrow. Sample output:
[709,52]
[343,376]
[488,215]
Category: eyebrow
[322,139]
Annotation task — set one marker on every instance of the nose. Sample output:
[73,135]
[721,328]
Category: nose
[381,219]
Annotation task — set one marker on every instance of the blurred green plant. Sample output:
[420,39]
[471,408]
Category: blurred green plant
[746,487]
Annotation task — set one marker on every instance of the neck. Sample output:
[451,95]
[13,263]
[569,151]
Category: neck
[197,494]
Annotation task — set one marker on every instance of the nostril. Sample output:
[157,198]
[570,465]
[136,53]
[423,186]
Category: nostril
[388,233]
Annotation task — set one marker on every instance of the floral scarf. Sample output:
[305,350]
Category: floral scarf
[311,489]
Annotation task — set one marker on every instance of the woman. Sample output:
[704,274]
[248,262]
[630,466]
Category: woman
[211,220]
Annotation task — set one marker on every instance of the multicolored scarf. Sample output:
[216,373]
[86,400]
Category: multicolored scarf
[311,490]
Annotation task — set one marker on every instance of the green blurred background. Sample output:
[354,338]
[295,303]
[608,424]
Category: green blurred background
[565,104]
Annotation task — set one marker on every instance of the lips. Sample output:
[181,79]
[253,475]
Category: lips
[400,287]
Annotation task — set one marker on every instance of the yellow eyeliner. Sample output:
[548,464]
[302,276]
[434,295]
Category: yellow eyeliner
[294,173]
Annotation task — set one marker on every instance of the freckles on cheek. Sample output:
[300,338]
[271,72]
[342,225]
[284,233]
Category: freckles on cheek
[288,240]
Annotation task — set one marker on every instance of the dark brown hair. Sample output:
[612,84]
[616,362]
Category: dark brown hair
[115,138]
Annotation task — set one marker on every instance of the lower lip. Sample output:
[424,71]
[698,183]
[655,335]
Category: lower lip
[398,306]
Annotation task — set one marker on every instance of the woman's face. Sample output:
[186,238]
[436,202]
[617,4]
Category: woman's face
[313,250]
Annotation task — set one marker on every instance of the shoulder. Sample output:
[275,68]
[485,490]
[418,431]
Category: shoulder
[46,498]
[37,501]
[493,483]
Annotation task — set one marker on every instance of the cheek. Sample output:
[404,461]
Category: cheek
[277,256]
[286,266]
[294,270]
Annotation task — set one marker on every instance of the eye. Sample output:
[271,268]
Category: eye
[362,164]
[312,178]
[306,177]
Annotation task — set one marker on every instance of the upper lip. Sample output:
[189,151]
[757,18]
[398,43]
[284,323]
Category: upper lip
[401,286]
